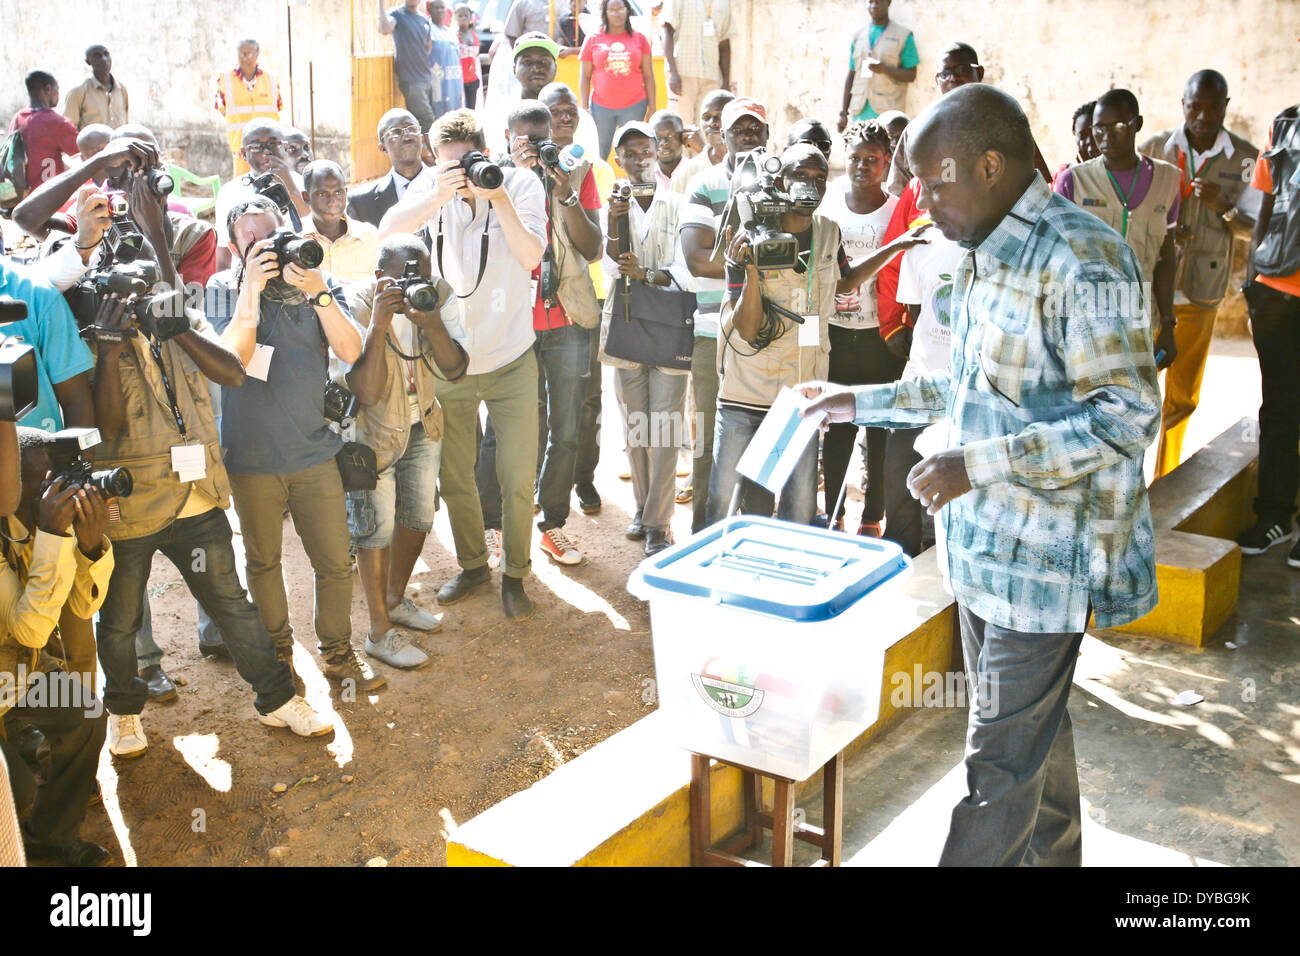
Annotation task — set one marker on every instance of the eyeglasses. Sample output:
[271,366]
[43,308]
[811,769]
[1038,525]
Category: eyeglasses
[402,131]
[1118,127]
[266,146]
[943,75]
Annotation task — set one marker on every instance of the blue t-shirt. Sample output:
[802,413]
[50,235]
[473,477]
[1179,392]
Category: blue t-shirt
[444,64]
[410,46]
[277,427]
[51,329]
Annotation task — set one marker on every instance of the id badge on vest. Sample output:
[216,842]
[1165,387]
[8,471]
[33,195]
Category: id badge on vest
[190,462]
[707,28]
[811,327]
[259,366]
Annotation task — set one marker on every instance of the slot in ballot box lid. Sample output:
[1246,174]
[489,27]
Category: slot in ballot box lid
[786,570]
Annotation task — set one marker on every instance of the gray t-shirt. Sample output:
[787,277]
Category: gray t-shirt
[277,426]
[411,39]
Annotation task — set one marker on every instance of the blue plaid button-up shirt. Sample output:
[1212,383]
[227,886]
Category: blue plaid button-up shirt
[1052,394]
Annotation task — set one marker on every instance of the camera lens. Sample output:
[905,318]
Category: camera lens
[112,482]
[160,183]
[481,171]
[306,253]
[548,153]
[422,297]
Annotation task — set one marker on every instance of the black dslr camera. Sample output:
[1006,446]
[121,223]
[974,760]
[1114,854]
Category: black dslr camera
[341,405]
[270,186]
[289,247]
[758,203]
[420,294]
[548,152]
[18,382]
[123,240]
[66,462]
[481,171]
[158,314]
[159,182]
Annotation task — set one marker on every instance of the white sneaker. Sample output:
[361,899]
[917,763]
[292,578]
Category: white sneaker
[406,614]
[126,735]
[299,717]
[493,539]
[559,548]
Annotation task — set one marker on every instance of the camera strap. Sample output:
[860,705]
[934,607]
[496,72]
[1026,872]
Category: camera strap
[155,349]
[482,253]
[424,358]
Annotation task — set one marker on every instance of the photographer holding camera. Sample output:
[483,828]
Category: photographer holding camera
[283,317]
[489,226]
[63,561]
[762,347]
[154,361]
[408,349]
[270,174]
[564,314]
[651,397]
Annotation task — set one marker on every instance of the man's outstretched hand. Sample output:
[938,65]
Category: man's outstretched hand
[939,479]
[831,404]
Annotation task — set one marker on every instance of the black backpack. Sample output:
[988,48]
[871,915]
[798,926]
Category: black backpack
[13,170]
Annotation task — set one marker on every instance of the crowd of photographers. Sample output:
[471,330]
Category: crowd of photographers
[325,354]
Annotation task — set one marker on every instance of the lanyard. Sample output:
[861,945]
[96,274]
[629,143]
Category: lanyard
[808,267]
[1123,199]
[156,351]
[1182,168]
[482,254]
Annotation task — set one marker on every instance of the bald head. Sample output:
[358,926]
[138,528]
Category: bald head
[92,139]
[260,128]
[399,249]
[557,92]
[1210,82]
[136,131]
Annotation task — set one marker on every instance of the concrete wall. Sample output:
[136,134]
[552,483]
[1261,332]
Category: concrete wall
[168,53]
[1052,55]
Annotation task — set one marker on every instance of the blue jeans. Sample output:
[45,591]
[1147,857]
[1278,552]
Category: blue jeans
[406,494]
[731,435]
[608,121]
[200,549]
[563,367]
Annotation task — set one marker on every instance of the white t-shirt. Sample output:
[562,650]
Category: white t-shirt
[861,234]
[925,279]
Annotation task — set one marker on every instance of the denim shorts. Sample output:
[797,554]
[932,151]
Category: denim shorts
[406,494]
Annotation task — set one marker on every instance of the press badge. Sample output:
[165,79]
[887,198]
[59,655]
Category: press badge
[810,332]
[260,364]
[190,462]
[708,28]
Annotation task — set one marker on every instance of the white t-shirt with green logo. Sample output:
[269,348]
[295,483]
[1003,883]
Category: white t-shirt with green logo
[925,279]
[861,234]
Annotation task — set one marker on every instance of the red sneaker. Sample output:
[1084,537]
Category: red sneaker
[870,529]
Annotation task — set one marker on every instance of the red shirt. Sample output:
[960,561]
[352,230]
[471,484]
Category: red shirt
[468,56]
[48,134]
[892,315]
[554,317]
[615,60]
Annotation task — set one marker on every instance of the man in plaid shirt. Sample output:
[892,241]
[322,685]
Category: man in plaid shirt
[1049,404]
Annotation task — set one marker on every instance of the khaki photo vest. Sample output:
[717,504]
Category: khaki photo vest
[1147,224]
[882,92]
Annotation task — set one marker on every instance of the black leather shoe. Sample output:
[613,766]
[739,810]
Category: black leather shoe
[216,652]
[76,853]
[161,688]
[656,541]
[635,532]
[588,498]
[518,605]
[459,586]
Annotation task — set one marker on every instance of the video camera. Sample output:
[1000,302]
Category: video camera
[481,171]
[419,292]
[158,314]
[757,204]
[18,378]
[123,240]
[66,462]
[289,247]
[625,192]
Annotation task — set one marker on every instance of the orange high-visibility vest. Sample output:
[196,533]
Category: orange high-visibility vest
[244,104]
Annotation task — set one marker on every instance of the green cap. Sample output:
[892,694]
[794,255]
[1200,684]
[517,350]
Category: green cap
[530,40]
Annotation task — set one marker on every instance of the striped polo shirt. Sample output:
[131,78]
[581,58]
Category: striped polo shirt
[706,198]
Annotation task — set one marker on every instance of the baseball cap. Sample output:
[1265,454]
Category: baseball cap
[534,39]
[743,106]
[636,126]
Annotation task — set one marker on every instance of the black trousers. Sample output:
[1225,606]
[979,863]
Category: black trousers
[858,357]
[1275,326]
[58,805]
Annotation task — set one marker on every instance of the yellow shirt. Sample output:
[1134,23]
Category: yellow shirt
[352,256]
[52,572]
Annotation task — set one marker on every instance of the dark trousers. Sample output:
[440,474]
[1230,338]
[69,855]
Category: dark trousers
[584,472]
[59,804]
[1022,805]
[906,522]
[704,383]
[471,93]
[1275,325]
[858,357]
[200,549]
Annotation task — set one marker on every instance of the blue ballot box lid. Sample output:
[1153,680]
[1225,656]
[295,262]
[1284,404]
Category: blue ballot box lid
[779,568]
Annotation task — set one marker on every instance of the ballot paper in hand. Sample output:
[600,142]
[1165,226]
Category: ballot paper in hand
[780,440]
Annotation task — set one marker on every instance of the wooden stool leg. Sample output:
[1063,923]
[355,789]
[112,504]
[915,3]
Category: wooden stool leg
[783,823]
[833,809]
[701,809]
[752,786]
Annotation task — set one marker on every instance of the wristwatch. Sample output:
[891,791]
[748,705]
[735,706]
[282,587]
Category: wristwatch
[573,198]
[323,299]
[1230,215]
